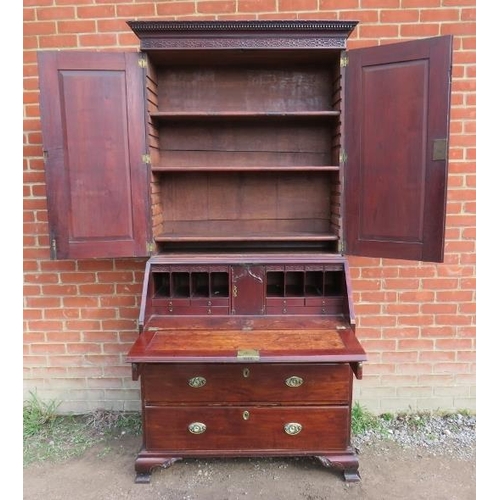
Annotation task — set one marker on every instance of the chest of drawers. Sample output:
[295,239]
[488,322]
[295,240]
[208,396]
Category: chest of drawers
[259,377]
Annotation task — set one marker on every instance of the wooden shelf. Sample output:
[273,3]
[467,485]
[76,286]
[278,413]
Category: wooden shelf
[245,237]
[227,230]
[313,155]
[244,168]
[241,115]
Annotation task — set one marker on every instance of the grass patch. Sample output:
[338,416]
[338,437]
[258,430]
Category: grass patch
[363,420]
[38,415]
[48,436]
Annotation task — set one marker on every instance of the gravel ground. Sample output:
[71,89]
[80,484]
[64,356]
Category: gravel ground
[412,457]
[453,435]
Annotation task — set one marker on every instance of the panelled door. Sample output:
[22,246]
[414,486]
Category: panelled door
[396,141]
[247,289]
[93,127]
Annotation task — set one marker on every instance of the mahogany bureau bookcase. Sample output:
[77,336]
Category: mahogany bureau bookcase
[246,160]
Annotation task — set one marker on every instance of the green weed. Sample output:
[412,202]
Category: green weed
[363,420]
[38,415]
[48,435]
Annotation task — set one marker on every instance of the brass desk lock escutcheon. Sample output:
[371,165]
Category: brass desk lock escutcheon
[292,428]
[294,381]
[197,382]
[197,428]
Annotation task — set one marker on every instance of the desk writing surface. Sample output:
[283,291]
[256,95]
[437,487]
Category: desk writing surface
[238,345]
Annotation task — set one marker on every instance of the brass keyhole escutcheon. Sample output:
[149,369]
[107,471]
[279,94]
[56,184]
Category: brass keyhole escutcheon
[197,428]
[246,415]
[197,382]
[292,428]
[294,381]
[246,372]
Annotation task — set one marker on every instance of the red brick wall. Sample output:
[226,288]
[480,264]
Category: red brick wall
[416,321]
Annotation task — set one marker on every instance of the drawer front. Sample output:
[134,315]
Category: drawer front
[166,302]
[216,301]
[283,303]
[312,310]
[232,383]
[200,428]
[197,302]
[198,310]
[191,310]
[325,301]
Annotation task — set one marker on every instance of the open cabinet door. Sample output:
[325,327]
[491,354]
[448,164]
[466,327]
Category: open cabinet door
[93,128]
[396,144]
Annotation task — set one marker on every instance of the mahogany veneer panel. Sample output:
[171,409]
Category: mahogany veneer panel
[169,384]
[398,97]
[274,345]
[92,122]
[265,341]
[227,430]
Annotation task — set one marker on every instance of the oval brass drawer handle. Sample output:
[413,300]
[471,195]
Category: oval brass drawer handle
[197,382]
[294,381]
[197,428]
[292,428]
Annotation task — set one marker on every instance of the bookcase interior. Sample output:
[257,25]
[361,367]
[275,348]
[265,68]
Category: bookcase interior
[245,150]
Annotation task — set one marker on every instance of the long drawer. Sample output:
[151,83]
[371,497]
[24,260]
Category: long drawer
[240,383]
[232,428]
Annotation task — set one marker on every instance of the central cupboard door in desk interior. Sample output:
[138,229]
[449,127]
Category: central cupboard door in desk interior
[246,149]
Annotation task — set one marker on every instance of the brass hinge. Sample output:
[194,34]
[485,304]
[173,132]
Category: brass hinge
[344,60]
[146,159]
[53,248]
[341,246]
[439,149]
[150,247]
[343,156]
[142,61]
